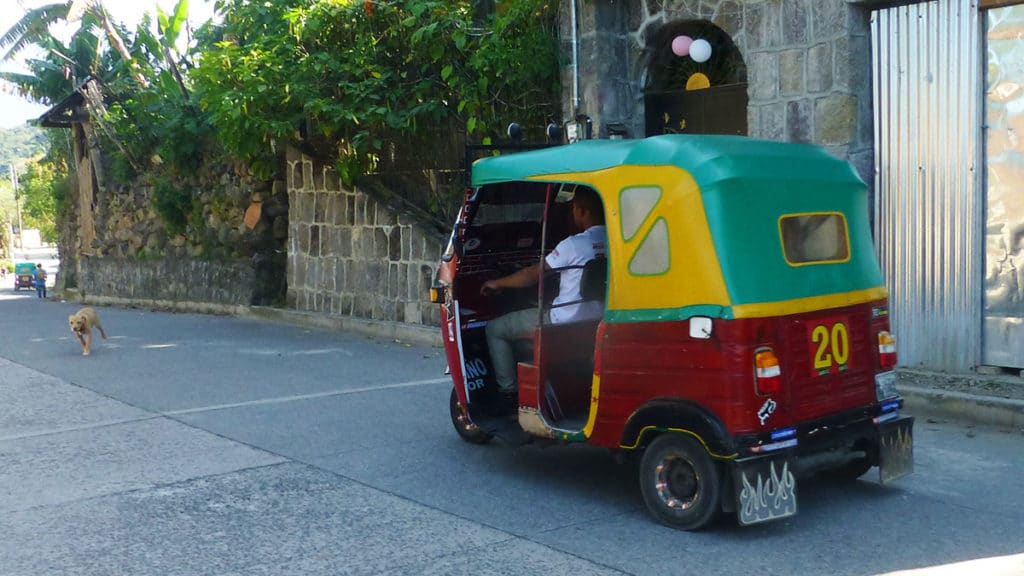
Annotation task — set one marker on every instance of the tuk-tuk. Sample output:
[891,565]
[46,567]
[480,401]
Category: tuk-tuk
[24,275]
[745,337]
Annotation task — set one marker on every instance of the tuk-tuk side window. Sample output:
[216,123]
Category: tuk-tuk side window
[819,238]
[635,205]
[652,257]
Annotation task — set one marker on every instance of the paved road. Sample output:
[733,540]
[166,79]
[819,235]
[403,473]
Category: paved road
[191,444]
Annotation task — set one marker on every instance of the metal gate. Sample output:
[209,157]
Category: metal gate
[1003,327]
[929,210]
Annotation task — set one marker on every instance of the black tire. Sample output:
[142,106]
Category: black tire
[681,484]
[463,425]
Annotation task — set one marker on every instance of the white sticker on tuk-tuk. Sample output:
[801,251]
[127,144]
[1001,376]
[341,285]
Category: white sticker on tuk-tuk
[767,409]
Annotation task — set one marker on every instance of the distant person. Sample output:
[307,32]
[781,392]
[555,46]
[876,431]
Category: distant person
[40,281]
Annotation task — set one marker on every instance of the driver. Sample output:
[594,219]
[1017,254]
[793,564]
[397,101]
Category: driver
[576,250]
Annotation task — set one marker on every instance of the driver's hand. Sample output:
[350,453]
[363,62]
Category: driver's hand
[489,287]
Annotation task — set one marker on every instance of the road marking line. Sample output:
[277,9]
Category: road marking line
[79,428]
[300,397]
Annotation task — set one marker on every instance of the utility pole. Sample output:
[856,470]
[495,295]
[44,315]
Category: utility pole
[17,201]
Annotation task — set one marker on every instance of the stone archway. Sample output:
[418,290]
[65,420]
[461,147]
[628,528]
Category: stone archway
[682,95]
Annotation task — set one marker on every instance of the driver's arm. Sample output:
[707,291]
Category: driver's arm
[522,278]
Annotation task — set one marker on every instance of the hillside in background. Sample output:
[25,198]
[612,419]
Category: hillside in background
[20,144]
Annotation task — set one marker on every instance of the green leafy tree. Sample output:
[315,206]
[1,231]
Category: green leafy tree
[376,75]
[41,189]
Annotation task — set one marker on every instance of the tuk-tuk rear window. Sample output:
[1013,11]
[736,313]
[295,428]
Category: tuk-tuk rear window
[817,238]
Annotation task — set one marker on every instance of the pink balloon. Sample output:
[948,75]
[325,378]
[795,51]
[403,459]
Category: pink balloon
[681,45]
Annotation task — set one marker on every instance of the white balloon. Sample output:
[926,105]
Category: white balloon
[700,50]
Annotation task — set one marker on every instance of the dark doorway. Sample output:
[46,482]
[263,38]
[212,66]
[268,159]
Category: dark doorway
[697,93]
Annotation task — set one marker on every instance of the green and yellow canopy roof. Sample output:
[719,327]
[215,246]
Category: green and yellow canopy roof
[696,223]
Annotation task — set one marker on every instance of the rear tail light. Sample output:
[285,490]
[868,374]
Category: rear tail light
[768,374]
[886,349]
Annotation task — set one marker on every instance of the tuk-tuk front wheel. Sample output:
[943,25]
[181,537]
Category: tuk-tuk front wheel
[681,485]
[467,430]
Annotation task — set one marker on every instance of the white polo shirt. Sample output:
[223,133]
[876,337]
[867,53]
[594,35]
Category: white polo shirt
[576,250]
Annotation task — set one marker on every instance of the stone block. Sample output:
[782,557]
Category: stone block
[350,209]
[763,76]
[314,240]
[362,306]
[406,237]
[835,119]
[819,68]
[761,26]
[303,236]
[792,72]
[426,278]
[798,121]
[340,215]
[359,217]
[729,17]
[828,19]
[380,243]
[290,299]
[295,176]
[772,121]
[307,207]
[413,314]
[339,275]
[795,22]
[320,200]
[343,242]
[307,175]
[325,279]
[393,281]
[842,71]
[394,243]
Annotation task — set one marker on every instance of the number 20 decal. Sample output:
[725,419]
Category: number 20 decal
[829,346]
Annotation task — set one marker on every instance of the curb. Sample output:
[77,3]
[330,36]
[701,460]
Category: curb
[397,331]
[381,329]
[990,410]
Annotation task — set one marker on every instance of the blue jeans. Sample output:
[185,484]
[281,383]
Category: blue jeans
[502,333]
[41,289]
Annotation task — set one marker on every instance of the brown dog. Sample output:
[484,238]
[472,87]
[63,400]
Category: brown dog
[82,323]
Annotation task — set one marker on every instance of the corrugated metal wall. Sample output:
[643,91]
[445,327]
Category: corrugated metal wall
[929,209]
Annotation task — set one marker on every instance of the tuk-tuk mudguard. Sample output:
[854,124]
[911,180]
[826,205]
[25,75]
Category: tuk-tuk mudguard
[895,448]
[677,416]
[764,487]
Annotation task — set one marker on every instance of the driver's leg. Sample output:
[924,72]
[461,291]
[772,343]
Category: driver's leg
[502,332]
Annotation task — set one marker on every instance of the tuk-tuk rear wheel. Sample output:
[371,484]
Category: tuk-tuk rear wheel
[680,483]
[465,427]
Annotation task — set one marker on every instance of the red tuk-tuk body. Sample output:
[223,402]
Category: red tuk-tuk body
[745,334]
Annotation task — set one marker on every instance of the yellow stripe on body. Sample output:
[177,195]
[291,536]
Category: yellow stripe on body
[809,304]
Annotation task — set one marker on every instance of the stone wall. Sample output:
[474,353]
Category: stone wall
[359,253]
[167,281]
[116,247]
[808,66]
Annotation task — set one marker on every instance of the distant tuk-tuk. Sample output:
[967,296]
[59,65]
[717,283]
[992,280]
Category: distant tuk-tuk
[745,337]
[24,275]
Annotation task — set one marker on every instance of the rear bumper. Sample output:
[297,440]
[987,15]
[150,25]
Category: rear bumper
[765,475]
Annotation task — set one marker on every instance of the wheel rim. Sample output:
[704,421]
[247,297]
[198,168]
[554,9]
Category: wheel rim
[461,418]
[677,483]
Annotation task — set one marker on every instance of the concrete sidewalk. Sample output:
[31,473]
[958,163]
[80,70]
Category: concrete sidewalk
[980,399]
